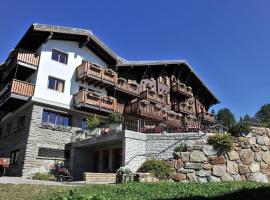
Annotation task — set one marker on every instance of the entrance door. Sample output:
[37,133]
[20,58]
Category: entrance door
[95,161]
[105,161]
[117,159]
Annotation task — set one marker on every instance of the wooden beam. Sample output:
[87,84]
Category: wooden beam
[82,44]
[48,38]
[188,77]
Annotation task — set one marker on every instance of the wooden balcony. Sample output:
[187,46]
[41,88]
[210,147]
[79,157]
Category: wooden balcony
[14,94]
[206,116]
[109,76]
[144,109]
[191,123]
[149,95]
[124,87]
[88,72]
[88,100]
[26,61]
[173,119]
[183,108]
[182,90]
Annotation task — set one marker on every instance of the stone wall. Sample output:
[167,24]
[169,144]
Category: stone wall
[249,159]
[16,139]
[133,148]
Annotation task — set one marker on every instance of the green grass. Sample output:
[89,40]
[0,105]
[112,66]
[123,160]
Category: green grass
[141,191]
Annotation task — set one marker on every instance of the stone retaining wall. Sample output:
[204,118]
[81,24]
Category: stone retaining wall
[249,159]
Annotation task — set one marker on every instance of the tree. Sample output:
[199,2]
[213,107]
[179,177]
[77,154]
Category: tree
[226,117]
[263,115]
[248,120]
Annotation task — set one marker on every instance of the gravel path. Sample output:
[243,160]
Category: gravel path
[19,180]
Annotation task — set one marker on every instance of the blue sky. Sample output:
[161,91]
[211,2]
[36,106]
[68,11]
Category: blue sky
[226,42]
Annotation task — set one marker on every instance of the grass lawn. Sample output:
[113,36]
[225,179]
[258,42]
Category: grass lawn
[140,191]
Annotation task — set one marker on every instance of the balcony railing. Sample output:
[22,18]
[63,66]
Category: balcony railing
[143,108]
[154,97]
[183,108]
[127,87]
[88,71]
[89,99]
[174,119]
[94,73]
[206,116]
[192,123]
[109,76]
[182,89]
[25,56]
[21,89]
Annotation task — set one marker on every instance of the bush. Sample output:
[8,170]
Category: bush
[221,142]
[93,123]
[116,118]
[239,130]
[180,148]
[159,168]
[124,174]
[44,177]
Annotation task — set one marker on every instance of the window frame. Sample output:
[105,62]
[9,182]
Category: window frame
[56,84]
[56,116]
[59,56]
[14,156]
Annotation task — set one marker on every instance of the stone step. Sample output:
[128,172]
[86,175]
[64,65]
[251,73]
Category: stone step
[99,177]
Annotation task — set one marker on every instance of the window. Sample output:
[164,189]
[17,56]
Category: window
[59,56]
[56,84]
[55,118]
[84,124]
[14,157]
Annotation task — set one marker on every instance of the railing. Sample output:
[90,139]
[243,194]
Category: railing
[192,124]
[143,109]
[183,108]
[174,120]
[109,75]
[182,89]
[129,88]
[96,100]
[17,87]
[149,95]
[88,70]
[26,56]
[206,116]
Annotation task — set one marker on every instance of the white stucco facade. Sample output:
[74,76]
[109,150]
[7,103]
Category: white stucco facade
[67,72]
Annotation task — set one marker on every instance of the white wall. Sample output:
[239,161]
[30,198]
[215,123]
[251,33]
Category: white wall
[49,67]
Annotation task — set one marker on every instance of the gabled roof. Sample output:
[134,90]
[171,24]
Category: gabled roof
[38,34]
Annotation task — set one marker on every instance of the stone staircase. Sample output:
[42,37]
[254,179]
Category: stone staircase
[99,178]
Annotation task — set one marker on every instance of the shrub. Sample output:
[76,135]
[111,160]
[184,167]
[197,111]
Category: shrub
[93,123]
[124,174]
[239,130]
[180,148]
[116,118]
[221,142]
[159,168]
[44,176]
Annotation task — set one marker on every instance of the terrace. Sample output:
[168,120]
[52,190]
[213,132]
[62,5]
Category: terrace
[95,101]
[15,93]
[26,61]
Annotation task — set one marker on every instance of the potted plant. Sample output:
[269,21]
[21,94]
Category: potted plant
[178,149]
[124,174]
[115,121]
[92,124]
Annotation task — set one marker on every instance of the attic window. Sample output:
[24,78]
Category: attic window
[59,56]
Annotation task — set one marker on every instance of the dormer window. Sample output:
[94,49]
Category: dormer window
[59,56]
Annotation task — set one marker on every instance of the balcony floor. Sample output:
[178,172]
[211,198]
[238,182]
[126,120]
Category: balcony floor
[96,109]
[13,102]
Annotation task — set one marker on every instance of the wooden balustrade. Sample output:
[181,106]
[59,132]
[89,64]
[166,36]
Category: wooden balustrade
[16,89]
[183,108]
[88,98]
[149,95]
[26,56]
[140,108]
[174,120]
[206,116]
[128,88]
[109,76]
[183,90]
[88,71]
